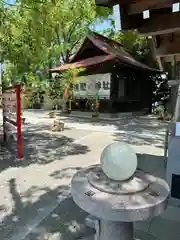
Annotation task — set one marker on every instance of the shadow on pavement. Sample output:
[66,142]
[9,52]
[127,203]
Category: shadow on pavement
[5,158]
[66,220]
[65,223]
[64,173]
[142,132]
[138,130]
[40,146]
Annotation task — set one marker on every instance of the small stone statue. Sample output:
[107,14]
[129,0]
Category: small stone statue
[58,126]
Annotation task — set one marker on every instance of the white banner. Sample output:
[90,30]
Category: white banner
[93,84]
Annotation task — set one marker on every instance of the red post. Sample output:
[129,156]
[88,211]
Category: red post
[66,92]
[18,119]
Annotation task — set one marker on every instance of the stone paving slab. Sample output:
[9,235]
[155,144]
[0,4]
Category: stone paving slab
[67,223]
[166,226]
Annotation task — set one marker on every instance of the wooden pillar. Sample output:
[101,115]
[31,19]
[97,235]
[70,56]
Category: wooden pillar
[110,105]
[150,94]
[113,90]
[174,103]
[175,75]
[159,61]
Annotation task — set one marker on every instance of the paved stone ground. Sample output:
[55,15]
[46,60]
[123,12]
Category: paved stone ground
[35,201]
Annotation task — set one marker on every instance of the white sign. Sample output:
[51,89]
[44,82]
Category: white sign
[93,84]
[177,133]
[176,7]
[117,17]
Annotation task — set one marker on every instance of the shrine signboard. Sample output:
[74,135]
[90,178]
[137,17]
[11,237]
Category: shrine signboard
[11,102]
[91,85]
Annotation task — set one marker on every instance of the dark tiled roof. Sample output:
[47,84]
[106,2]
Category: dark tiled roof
[116,49]
[112,49]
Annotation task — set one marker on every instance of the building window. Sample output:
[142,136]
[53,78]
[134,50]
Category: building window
[98,85]
[90,86]
[82,86]
[121,88]
[76,87]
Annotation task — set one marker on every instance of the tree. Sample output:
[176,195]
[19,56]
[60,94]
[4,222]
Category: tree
[64,80]
[41,34]
[37,35]
[161,90]
[136,45]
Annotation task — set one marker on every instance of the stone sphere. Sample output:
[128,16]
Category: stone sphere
[118,161]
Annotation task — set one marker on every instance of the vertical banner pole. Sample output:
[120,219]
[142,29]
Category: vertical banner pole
[18,119]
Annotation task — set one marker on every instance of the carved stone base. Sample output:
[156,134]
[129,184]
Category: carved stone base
[58,126]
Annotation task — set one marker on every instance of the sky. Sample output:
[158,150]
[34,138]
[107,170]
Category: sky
[11,1]
[102,26]
[107,24]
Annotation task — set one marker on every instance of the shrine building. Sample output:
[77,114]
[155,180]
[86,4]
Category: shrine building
[122,83]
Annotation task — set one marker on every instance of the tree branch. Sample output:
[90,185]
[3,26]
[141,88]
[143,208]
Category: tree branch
[75,43]
[57,34]
[63,57]
[71,30]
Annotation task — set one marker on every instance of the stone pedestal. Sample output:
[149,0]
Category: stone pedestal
[117,204]
[116,230]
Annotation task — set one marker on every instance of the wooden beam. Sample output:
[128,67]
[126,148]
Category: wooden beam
[169,45]
[142,5]
[159,59]
[169,51]
[110,3]
[130,21]
[160,23]
[152,43]
[103,2]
